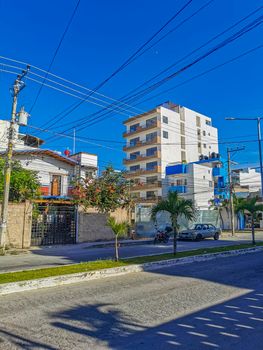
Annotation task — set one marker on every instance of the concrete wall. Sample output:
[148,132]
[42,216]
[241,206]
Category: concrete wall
[92,226]
[19,225]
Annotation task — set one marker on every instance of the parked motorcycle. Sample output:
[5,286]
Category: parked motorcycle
[161,237]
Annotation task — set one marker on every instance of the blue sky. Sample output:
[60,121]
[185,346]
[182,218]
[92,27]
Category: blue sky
[104,34]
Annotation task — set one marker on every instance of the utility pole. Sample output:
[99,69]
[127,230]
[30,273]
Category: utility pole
[17,88]
[74,141]
[230,184]
[260,154]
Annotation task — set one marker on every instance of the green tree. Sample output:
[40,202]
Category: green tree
[24,183]
[250,206]
[176,206]
[119,229]
[106,193]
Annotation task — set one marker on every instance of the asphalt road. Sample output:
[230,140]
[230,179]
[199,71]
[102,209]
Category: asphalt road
[216,304]
[69,254]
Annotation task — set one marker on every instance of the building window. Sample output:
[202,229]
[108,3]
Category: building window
[165,119]
[150,194]
[151,151]
[199,147]
[204,133]
[151,122]
[89,174]
[210,184]
[203,177]
[151,136]
[134,127]
[209,171]
[134,167]
[208,122]
[152,180]
[151,166]
[182,128]
[198,121]
[165,134]
[185,182]
[183,156]
[135,195]
[133,142]
[209,134]
[182,142]
[204,145]
[134,155]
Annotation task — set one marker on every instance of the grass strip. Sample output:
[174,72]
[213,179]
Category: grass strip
[104,264]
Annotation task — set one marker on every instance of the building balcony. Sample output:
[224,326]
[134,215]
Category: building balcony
[154,141]
[152,199]
[139,172]
[141,158]
[146,186]
[218,172]
[142,129]
[178,189]
[177,169]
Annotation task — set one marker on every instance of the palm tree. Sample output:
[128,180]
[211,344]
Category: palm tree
[119,229]
[176,206]
[250,205]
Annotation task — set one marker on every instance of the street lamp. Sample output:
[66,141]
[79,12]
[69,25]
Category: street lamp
[257,119]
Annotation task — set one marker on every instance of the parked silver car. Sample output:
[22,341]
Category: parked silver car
[201,231]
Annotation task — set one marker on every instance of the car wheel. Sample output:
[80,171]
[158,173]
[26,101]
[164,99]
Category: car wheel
[216,236]
[199,237]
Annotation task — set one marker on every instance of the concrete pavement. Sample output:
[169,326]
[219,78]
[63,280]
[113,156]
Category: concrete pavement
[205,305]
[70,254]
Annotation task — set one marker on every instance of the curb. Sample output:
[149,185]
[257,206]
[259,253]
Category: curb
[15,287]
[122,244]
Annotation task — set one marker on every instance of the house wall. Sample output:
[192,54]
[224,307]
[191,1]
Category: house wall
[19,225]
[92,225]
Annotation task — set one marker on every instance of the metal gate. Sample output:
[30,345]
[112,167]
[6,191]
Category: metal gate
[53,224]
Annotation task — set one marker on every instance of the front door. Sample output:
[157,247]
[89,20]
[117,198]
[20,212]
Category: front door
[56,185]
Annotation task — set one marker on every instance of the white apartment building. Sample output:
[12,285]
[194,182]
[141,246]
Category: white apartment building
[246,181]
[166,134]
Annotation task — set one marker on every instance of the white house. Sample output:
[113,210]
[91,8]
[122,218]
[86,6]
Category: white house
[56,172]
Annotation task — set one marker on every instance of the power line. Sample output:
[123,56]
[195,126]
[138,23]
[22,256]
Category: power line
[55,53]
[204,73]
[129,60]
[230,39]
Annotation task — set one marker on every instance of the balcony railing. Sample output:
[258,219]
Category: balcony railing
[142,129]
[178,189]
[156,169]
[146,186]
[152,199]
[156,140]
[219,172]
[140,158]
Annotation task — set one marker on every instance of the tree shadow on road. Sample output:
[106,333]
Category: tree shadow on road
[233,323]
[17,341]
[221,326]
